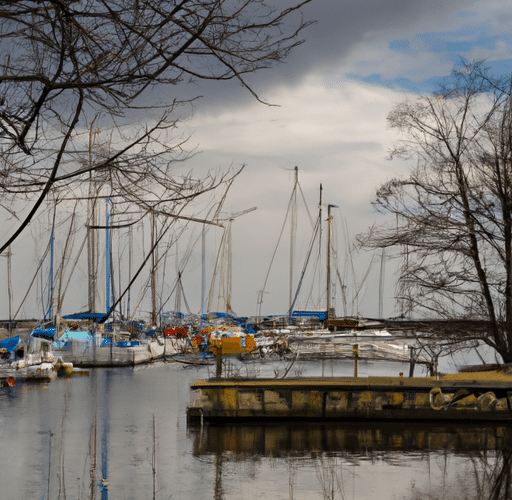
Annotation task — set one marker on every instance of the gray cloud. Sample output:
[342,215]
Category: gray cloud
[341,26]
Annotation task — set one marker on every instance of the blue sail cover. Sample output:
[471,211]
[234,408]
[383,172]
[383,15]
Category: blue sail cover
[321,315]
[10,345]
[85,316]
[44,333]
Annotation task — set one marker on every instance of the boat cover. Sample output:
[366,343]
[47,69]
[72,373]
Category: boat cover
[85,316]
[44,333]
[10,345]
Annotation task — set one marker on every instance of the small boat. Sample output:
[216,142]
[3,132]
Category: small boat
[85,349]
[377,344]
[33,360]
[230,340]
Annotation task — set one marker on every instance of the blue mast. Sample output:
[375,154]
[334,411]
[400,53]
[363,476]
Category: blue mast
[108,288]
[52,242]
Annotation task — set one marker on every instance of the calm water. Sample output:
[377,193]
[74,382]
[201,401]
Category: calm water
[59,440]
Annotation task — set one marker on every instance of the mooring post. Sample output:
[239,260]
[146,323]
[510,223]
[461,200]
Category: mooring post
[218,359]
[412,362]
[355,348]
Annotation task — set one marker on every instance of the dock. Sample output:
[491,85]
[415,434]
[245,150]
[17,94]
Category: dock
[485,396]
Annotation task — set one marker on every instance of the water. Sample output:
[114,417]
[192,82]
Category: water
[59,440]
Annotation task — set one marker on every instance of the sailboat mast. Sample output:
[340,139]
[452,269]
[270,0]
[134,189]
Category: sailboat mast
[153,265]
[293,226]
[130,257]
[320,286]
[203,270]
[92,243]
[108,278]
[329,246]
[52,249]
[9,285]
[229,271]
[92,255]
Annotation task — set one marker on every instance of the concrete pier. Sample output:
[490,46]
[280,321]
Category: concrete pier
[465,396]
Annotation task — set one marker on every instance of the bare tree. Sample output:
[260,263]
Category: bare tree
[453,215]
[66,64]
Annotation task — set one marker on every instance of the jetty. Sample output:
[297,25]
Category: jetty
[484,396]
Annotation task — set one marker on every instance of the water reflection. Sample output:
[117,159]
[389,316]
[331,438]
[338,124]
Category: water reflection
[311,439]
[463,461]
[63,440]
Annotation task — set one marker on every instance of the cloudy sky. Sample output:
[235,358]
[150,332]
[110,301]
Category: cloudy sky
[331,97]
[334,93]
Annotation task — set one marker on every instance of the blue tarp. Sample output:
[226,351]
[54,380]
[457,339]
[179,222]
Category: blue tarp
[80,335]
[127,343]
[64,341]
[85,316]
[44,333]
[321,315]
[10,344]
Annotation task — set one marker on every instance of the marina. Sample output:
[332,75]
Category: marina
[215,283]
[123,433]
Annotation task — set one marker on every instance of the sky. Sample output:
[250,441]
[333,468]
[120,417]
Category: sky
[330,100]
[358,61]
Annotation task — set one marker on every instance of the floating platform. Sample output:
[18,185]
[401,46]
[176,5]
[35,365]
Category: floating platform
[485,396]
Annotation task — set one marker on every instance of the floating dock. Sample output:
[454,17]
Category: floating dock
[485,396]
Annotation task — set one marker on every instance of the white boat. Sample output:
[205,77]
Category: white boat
[85,349]
[33,360]
[367,344]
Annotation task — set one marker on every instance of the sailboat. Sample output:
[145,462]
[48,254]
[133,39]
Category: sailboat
[319,334]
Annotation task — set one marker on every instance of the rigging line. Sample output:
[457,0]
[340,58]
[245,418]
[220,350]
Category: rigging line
[49,304]
[318,263]
[229,272]
[381,282]
[142,293]
[144,288]
[141,267]
[336,263]
[343,291]
[350,261]
[293,233]
[82,246]
[364,278]
[170,295]
[312,286]
[275,252]
[120,252]
[316,270]
[180,267]
[65,258]
[320,251]
[164,256]
[111,260]
[311,220]
[341,283]
[192,243]
[184,297]
[177,298]
[170,243]
[310,250]
[41,260]
[52,241]
[218,269]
